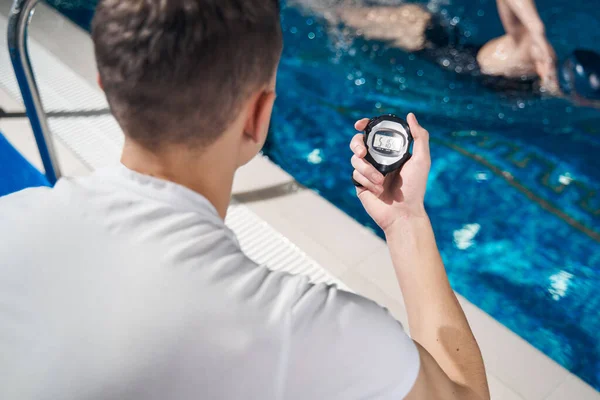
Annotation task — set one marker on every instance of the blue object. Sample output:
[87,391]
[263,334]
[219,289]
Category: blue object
[580,74]
[15,171]
[18,24]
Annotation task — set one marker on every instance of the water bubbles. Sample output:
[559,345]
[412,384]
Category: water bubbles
[452,86]
[402,79]
[455,21]
[311,35]
[379,81]
[365,48]
[481,176]
[559,284]
[293,30]
[350,77]
[400,69]
[315,157]
[420,72]
[309,22]
[565,179]
[378,105]
[464,237]
[458,69]
[501,115]
[352,52]
[470,106]
[480,13]
[446,62]
[412,57]
[467,34]
[521,104]
[446,99]
[360,82]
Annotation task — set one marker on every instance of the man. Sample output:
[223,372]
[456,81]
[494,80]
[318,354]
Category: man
[128,285]
[523,52]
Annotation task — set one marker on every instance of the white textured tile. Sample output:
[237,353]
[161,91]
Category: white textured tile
[260,173]
[326,224]
[574,388]
[500,391]
[18,132]
[52,30]
[523,368]
[378,268]
[314,249]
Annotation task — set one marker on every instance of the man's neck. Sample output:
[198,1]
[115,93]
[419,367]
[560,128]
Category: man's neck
[195,170]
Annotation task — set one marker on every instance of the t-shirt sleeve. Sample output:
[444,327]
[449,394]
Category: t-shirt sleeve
[343,346]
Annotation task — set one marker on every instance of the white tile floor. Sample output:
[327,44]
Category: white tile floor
[350,252]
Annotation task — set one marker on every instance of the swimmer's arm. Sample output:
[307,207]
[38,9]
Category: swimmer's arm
[451,362]
[519,14]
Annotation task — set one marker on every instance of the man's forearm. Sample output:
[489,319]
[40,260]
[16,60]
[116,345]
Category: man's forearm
[526,13]
[436,319]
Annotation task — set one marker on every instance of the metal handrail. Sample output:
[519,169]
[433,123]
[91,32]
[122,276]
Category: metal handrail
[18,23]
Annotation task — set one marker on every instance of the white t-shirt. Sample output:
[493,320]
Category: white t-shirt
[123,286]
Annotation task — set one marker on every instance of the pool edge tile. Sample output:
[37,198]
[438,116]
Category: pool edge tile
[573,388]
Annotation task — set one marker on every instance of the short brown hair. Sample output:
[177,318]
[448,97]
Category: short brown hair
[177,71]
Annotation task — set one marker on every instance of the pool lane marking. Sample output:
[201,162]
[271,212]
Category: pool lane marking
[585,193]
[545,204]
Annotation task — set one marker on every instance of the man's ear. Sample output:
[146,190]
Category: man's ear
[100,82]
[257,124]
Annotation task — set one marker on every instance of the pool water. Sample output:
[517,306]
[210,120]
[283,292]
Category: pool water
[514,193]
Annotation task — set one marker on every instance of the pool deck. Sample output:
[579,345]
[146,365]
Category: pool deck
[346,249]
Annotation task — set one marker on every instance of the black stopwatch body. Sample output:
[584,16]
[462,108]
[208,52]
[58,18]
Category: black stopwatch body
[379,133]
[388,141]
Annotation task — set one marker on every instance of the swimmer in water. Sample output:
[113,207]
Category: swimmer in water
[521,60]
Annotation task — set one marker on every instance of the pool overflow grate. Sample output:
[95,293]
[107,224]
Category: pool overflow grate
[85,127]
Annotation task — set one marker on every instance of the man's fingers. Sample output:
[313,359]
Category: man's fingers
[361,125]
[367,184]
[368,171]
[421,136]
[357,145]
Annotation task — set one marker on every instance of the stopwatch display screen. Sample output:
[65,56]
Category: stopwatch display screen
[388,142]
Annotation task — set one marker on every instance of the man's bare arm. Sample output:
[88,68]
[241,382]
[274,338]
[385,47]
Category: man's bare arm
[436,319]
[451,363]
[520,15]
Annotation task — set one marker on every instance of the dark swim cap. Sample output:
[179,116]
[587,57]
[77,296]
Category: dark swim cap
[580,75]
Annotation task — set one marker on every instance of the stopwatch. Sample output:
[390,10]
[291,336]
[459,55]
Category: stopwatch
[388,141]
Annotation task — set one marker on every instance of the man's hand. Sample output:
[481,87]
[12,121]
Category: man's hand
[544,59]
[400,195]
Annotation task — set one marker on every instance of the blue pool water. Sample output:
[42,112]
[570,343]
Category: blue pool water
[525,249]
[514,194]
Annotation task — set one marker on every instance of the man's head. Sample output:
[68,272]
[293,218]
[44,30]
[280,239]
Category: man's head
[182,72]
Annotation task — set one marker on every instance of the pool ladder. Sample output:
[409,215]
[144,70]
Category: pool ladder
[18,24]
